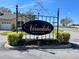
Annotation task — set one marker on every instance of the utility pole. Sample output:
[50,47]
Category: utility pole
[16,18]
[57,23]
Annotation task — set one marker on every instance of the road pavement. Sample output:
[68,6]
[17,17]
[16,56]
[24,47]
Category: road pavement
[74,34]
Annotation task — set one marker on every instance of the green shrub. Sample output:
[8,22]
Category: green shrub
[63,37]
[20,35]
[14,38]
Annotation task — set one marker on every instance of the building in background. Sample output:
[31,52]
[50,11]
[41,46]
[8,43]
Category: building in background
[8,19]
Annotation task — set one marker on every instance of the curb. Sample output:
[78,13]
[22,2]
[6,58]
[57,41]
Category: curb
[14,47]
[38,47]
[75,42]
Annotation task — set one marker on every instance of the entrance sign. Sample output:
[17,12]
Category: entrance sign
[37,27]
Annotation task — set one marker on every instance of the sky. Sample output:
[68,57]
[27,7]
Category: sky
[68,8]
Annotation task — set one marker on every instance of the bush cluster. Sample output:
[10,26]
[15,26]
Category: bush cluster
[63,37]
[14,38]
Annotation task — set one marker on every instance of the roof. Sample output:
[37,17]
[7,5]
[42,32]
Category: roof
[7,15]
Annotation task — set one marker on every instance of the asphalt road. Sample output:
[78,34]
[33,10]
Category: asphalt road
[74,34]
[40,54]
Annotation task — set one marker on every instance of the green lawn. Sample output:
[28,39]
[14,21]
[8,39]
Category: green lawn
[8,32]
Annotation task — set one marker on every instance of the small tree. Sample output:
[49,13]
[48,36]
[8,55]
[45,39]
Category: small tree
[13,27]
[66,21]
[5,9]
[30,16]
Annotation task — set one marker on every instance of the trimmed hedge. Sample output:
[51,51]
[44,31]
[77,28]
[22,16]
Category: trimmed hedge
[63,37]
[14,38]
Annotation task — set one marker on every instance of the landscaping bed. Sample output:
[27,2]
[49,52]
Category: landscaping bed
[42,42]
[15,39]
[60,46]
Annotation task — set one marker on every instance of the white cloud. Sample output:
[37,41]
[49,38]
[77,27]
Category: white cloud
[28,5]
[32,4]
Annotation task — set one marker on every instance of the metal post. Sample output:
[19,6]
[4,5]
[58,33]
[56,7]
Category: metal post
[16,17]
[38,15]
[38,19]
[57,23]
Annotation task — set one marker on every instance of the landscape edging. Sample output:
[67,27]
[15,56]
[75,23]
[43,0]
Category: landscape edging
[36,47]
